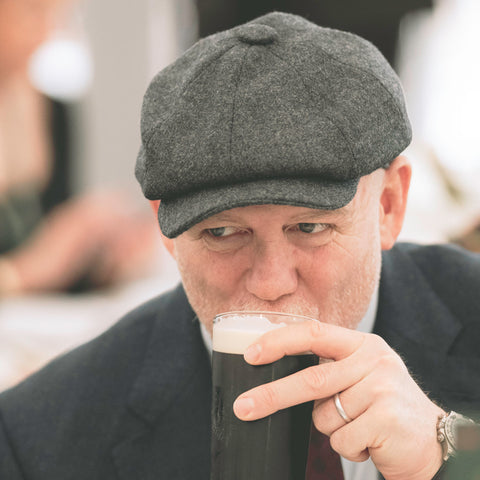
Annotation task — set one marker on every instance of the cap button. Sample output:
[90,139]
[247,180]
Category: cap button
[257,34]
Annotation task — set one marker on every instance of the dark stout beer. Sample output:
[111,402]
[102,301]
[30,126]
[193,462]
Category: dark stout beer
[272,448]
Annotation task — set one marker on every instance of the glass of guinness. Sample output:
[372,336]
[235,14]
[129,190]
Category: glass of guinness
[272,448]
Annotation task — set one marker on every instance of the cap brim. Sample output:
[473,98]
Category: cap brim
[178,215]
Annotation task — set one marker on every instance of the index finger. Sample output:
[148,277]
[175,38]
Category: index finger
[322,339]
[312,383]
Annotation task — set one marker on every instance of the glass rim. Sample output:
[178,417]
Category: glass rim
[262,312]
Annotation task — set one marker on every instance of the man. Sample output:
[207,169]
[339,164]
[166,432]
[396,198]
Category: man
[272,155]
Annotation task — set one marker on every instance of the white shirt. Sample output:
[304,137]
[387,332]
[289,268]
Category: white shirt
[351,470]
[365,470]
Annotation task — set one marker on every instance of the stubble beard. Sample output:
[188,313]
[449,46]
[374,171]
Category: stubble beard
[347,308]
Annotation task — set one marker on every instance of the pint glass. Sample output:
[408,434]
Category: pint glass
[272,448]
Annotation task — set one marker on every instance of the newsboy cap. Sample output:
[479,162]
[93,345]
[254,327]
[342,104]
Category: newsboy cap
[275,111]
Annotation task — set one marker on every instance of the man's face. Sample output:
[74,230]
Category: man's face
[323,264]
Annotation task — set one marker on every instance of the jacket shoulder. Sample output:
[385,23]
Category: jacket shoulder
[79,397]
[119,345]
[445,266]
[439,258]
[451,272]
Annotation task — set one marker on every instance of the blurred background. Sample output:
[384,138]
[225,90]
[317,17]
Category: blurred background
[79,245]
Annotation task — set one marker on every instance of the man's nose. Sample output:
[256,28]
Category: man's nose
[273,271]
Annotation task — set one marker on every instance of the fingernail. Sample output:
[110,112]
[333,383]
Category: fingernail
[252,353]
[242,407]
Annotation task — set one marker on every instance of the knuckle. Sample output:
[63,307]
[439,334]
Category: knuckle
[379,390]
[385,361]
[270,396]
[390,361]
[342,444]
[391,417]
[378,343]
[384,390]
[319,415]
[314,379]
[337,442]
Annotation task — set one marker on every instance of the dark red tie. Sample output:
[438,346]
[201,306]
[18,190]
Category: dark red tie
[323,462]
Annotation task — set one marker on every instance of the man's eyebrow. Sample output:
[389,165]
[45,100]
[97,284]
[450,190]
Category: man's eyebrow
[337,213]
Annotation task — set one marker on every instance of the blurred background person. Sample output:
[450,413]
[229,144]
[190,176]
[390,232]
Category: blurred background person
[49,240]
[61,233]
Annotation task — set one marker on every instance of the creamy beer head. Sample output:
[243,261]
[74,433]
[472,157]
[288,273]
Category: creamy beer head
[233,332]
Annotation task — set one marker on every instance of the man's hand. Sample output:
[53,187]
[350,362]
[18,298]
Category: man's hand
[393,421]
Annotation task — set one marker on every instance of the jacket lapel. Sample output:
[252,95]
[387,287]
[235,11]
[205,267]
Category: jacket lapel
[166,430]
[414,321]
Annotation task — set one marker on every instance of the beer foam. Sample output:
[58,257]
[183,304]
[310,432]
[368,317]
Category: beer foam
[234,333]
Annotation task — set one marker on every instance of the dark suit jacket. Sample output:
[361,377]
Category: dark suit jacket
[135,402]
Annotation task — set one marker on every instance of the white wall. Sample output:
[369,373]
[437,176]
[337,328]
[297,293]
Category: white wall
[117,34]
[129,41]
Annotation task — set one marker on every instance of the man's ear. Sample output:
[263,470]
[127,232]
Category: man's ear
[154,204]
[167,242]
[393,200]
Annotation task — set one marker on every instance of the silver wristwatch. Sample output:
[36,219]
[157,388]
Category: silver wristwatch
[447,428]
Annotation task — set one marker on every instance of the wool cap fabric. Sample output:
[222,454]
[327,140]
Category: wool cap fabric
[275,111]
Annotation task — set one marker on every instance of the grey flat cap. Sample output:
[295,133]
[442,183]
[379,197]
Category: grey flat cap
[275,111]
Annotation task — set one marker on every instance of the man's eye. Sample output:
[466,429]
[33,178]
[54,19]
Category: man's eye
[311,227]
[221,231]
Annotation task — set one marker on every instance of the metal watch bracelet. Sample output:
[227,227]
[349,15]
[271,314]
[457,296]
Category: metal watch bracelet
[447,427]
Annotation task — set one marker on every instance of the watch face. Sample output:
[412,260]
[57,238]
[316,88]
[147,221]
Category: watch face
[468,438]
[453,423]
